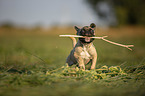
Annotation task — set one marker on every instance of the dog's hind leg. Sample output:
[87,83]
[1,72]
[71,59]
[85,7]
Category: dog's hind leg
[73,40]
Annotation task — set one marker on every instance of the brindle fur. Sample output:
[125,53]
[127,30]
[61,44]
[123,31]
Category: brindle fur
[83,52]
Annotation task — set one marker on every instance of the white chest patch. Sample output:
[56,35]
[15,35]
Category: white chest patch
[84,54]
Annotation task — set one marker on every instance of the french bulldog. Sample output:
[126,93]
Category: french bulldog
[83,50]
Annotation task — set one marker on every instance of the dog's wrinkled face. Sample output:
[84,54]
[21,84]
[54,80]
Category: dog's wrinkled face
[87,31]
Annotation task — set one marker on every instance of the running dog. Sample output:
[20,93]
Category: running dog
[83,50]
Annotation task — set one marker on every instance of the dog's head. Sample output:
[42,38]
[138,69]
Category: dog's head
[87,31]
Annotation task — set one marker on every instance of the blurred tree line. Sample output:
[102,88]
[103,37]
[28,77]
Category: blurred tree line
[127,12]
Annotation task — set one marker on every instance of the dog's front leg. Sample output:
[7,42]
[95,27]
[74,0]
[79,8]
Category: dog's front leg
[81,62]
[94,59]
[78,57]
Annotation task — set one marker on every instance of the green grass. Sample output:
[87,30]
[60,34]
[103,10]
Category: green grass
[35,65]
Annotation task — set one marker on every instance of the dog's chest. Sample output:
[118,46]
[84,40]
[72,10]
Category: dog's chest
[85,54]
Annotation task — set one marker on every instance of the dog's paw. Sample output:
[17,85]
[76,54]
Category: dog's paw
[92,68]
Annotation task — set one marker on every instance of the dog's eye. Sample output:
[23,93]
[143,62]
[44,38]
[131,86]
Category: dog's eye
[83,31]
[92,31]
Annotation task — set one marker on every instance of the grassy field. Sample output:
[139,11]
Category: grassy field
[32,63]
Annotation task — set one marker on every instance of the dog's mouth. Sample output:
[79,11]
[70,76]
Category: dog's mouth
[87,39]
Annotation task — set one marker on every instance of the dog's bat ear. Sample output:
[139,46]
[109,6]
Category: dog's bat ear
[77,29]
[92,25]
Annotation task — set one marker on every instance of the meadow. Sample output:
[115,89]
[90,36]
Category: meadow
[32,62]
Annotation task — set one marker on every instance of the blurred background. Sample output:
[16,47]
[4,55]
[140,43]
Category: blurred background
[41,22]
[49,13]
[46,13]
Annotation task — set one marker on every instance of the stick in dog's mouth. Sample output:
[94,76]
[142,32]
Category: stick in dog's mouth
[78,36]
[87,39]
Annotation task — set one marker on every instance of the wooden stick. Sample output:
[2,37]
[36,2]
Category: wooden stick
[126,46]
[77,36]
[70,36]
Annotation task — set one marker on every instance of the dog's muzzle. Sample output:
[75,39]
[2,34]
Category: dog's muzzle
[87,39]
